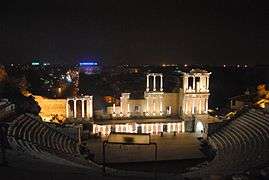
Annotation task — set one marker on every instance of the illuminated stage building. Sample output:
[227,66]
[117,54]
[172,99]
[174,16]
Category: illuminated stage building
[157,112]
[192,98]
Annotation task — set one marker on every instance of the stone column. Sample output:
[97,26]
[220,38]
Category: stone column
[161,83]
[206,105]
[147,83]
[154,107]
[128,109]
[161,125]
[82,108]
[185,106]
[154,82]
[161,107]
[198,86]
[183,126]
[185,83]
[207,82]
[114,108]
[147,106]
[193,82]
[168,127]
[88,108]
[75,108]
[192,107]
[91,107]
[121,113]
[66,108]
[200,106]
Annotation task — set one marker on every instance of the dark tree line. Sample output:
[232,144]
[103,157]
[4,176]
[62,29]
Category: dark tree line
[14,92]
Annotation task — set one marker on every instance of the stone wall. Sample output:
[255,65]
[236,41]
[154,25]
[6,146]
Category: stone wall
[51,107]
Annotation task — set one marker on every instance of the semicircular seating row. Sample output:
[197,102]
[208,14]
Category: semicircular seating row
[39,135]
[241,145]
[32,136]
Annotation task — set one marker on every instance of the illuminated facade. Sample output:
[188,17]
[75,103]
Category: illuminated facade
[195,92]
[84,108]
[51,108]
[192,98]
[152,128]
[61,109]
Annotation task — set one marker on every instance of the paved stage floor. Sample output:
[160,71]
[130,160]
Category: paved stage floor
[170,147]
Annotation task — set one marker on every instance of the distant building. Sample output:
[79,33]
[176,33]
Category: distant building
[259,99]
[245,100]
[39,62]
[89,67]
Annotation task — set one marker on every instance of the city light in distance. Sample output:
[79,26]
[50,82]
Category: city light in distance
[90,63]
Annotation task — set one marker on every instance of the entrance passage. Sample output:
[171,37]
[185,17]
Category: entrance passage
[199,127]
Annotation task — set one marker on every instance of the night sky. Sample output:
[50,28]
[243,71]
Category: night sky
[148,32]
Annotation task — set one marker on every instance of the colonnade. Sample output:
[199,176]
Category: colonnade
[154,75]
[88,107]
[195,106]
[152,128]
[196,85]
[156,100]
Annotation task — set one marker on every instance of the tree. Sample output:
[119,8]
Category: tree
[3,74]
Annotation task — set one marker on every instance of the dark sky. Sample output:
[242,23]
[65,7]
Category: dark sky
[168,31]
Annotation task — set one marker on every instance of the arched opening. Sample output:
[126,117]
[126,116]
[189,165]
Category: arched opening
[190,82]
[199,128]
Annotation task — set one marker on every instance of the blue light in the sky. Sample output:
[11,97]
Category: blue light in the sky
[90,63]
